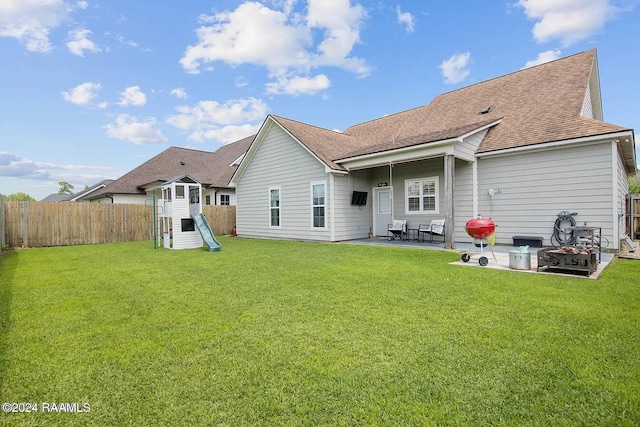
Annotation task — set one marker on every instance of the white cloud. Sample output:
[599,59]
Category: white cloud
[341,23]
[226,134]
[407,19]
[11,165]
[30,21]
[238,37]
[78,42]
[16,167]
[132,96]
[212,120]
[299,85]
[567,20]
[83,4]
[83,94]
[138,131]
[543,57]
[456,68]
[240,82]
[126,42]
[179,93]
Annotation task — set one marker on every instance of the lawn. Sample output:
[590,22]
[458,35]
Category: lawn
[292,333]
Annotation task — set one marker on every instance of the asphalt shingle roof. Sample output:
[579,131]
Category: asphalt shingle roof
[213,169]
[536,105]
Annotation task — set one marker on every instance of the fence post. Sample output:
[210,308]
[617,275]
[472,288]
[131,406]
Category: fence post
[25,225]
[3,225]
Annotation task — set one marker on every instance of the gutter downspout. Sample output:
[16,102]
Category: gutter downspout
[332,230]
[393,216]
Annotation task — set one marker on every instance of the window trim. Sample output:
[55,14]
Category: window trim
[313,206]
[181,187]
[436,181]
[228,200]
[279,207]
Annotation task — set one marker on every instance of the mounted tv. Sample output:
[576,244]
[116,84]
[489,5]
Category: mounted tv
[359,198]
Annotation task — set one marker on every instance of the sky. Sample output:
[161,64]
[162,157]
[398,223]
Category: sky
[91,89]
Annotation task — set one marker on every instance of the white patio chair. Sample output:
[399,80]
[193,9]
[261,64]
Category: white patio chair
[396,229]
[434,228]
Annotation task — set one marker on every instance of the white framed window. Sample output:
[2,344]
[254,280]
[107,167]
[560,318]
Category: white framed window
[274,206]
[179,191]
[194,195]
[318,204]
[422,195]
[225,200]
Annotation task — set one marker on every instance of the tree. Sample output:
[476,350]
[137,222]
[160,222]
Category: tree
[634,184]
[65,188]
[19,197]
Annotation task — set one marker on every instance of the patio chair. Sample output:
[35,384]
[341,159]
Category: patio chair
[434,228]
[396,229]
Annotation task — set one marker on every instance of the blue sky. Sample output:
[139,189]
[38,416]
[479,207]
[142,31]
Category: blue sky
[93,88]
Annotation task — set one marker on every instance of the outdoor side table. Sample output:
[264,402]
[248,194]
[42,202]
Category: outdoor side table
[412,234]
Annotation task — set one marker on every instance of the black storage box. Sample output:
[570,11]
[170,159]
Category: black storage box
[531,241]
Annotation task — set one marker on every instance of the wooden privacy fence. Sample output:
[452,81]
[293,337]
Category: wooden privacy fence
[38,224]
[221,219]
[633,216]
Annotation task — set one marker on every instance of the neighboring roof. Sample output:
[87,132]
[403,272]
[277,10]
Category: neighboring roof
[211,169]
[536,105]
[56,197]
[80,195]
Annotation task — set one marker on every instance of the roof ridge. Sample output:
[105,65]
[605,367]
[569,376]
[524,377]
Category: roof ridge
[276,117]
[388,115]
[517,72]
[191,149]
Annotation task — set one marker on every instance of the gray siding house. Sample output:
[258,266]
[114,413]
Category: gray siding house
[518,148]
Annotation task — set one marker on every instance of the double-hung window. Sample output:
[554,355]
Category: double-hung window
[422,195]
[179,191]
[274,207]
[225,200]
[318,197]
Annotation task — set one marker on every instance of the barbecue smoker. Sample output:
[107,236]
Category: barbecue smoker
[480,228]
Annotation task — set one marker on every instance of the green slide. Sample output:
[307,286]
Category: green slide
[206,233]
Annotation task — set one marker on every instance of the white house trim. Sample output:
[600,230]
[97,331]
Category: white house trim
[81,194]
[279,190]
[436,210]
[400,155]
[415,152]
[614,200]
[264,129]
[474,184]
[238,161]
[325,206]
[480,129]
[332,201]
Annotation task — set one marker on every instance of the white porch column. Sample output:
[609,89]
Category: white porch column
[449,173]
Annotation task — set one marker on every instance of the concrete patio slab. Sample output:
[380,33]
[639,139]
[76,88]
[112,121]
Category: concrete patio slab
[501,261]
[501,252]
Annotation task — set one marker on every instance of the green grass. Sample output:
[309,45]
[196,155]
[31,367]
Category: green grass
[290,333]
